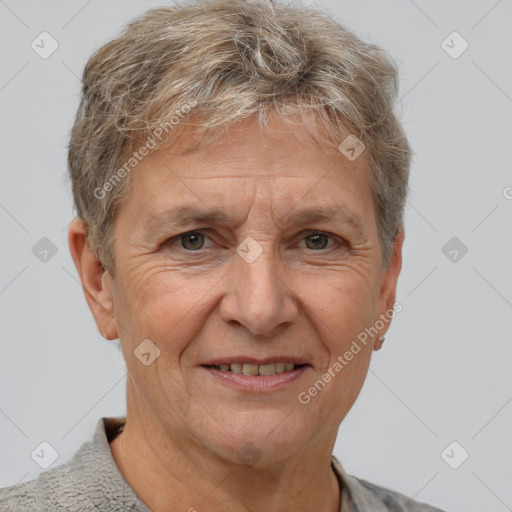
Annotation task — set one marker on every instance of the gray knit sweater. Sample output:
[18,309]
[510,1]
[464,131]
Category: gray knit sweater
[91,481]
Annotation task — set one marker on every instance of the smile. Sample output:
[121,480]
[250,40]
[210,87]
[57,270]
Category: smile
[256,369]
[255,376]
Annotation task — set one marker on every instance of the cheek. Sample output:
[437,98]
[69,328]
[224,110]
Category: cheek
[165,306]
[341,310]
[343,305]
[354,312]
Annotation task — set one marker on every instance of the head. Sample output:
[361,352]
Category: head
[228,120]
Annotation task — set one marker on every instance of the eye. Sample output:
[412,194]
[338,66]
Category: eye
[318,241]
[192,241]
[197,240]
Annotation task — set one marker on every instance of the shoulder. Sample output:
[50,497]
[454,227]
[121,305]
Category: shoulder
[88,482]
[393,500]
[359,495]
[51,490]
[20,497]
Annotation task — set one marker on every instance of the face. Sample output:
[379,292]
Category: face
[260,255]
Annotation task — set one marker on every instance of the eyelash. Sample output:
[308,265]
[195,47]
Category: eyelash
[337,240]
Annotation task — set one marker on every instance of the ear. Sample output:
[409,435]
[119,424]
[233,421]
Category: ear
[387,292]
[96,282]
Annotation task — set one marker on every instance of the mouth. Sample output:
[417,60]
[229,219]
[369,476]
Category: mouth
[256,375]
[255,370]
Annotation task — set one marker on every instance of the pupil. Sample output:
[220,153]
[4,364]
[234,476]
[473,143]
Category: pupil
[195,240]
[317,241]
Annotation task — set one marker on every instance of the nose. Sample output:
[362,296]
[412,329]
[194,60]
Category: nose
[257,297]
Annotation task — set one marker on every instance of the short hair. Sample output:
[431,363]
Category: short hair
[218,62]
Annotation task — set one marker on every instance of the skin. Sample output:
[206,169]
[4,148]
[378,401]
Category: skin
[185,428]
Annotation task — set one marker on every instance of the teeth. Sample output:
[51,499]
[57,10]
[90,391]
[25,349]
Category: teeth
[267,369]
[250,369]
[279,367]
[236,368]
[254,369]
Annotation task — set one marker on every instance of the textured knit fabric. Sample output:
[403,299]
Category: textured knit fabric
[91,482]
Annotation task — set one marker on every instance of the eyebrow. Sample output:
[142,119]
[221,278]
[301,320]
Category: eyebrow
[184,214]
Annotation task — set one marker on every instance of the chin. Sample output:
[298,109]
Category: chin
[260,438]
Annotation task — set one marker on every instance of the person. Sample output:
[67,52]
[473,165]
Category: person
[239,178]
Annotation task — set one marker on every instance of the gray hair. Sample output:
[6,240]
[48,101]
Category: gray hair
[217,62]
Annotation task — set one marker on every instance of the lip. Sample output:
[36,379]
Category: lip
[260,383]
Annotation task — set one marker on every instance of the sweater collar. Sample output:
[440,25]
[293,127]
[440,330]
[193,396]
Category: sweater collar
[97,474]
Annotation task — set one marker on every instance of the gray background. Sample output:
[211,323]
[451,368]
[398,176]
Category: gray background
[444,372]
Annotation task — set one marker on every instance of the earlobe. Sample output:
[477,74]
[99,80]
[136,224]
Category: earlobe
[96,282]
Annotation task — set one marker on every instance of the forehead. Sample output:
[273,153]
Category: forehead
[281,165]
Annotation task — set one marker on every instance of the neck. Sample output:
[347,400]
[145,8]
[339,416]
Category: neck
[176,474]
